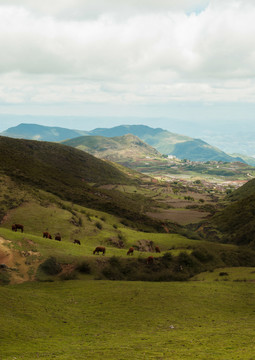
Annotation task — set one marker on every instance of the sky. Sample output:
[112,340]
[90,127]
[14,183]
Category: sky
[154,62]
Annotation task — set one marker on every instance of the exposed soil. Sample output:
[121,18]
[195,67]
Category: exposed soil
[18,262]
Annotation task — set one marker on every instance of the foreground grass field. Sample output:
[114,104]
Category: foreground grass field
[127,320]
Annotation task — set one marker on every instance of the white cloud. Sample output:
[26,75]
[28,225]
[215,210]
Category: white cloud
[159,53]
[84,9]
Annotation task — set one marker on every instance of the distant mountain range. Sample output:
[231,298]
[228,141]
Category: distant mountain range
[44,133]
[163,141]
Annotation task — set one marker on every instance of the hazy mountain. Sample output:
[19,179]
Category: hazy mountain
[40,132]
[250,160]
[116,148]
[162,140]
[170,143]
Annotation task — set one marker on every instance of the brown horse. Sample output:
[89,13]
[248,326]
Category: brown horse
[15,227]
[157,249]
[130,251]
[150,260]
[99,249]
[58,237]
[77,242]
[47,235]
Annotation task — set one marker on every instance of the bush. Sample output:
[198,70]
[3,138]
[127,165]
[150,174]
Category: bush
[69,276]
[84,268]
[202,255]
[50,266]
[99,225]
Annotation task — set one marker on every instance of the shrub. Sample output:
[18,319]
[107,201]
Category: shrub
[202,255]
[50,266]
[99,225]
[84,268]
[69,276]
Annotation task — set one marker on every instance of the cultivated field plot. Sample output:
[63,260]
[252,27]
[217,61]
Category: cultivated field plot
[128,320]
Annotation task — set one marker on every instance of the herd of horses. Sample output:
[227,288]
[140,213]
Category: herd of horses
[98,249]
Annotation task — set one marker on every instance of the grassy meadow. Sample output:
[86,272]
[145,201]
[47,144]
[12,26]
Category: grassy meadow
[128,320]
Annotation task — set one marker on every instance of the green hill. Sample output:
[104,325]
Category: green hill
[116,149]
[72,175]
[237,220]
[170,143]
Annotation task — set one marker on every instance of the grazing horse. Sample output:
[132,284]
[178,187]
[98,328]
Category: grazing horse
[157,249]
[99,249]
[58,237]
[130,251]
[47,235]
[77,242]
[15,227]
[150,260]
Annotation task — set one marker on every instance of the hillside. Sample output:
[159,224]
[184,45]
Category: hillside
[71,174]
[248,159]
[237,220]
[162,140]
[116,149]
[39,132]
[169,143]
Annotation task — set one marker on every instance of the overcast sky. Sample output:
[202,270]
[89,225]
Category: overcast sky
[192,60]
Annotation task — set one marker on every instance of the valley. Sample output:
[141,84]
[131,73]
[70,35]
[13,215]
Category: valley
[116,305]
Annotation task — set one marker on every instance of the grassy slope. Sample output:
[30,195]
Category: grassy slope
[237,220]
[115,148]
[118,320]
[169,143]
[68,173]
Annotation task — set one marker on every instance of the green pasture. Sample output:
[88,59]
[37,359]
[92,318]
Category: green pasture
[67,251]
[228,274]
[128,320]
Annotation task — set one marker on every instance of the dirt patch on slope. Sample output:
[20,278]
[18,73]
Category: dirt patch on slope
[21,265]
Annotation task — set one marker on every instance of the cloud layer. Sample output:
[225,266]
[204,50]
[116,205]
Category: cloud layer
[72,52]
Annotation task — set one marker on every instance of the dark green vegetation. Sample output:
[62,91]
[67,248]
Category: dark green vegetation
[119,320]
[163,141]
[237,220]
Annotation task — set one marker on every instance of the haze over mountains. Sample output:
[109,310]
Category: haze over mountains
[163,141]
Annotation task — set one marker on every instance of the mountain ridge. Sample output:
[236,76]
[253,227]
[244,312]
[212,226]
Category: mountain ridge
[162,140]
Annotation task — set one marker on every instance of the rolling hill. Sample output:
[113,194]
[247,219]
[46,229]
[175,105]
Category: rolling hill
[116,148]
[162,140]
[70,174]
[170,143]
